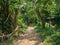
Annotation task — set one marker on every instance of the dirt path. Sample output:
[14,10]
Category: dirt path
[30,37]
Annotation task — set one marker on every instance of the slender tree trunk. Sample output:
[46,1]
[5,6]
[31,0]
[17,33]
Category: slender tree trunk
[15,19]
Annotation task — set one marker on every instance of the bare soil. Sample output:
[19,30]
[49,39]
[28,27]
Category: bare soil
[30,37]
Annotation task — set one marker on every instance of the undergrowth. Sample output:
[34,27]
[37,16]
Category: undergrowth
[49,36]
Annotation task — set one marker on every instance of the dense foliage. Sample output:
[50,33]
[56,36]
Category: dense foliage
[44,14]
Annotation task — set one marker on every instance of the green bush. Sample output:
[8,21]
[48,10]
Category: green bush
[44,32]
[52,40]
[49,36]
[22,25]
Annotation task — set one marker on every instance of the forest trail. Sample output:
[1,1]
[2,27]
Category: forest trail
[30,37]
